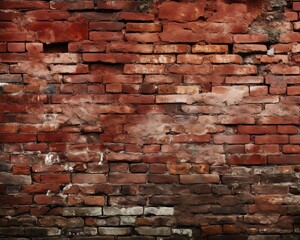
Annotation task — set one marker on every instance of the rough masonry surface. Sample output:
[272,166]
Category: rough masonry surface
[149,119]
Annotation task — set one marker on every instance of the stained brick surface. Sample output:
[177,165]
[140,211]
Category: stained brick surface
[154,120]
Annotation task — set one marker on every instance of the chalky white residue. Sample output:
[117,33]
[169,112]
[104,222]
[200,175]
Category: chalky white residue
[101,158]
[51,158]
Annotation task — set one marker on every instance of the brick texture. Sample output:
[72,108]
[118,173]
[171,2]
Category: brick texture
[154,120]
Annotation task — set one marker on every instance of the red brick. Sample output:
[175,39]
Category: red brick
[159,178]
[53,178]
[151,148]
[58,137]
[5,4]
[218,38]
[142,37]
[171,48]
[94,200]
[190,138]
[199,178]
[163,78]
[34,47]
[120,5]
[211,230]
[119,157]
[21,170]
[106,36]
[48,15]
[284,69]
[157,168]
[258,90]
[190,69]
[16,200]
[88,178]
[183,168]
[296,6]
[232,229]
[291,149]
[8,16]
[113,88]
[210,49]
[295,139]
[106,26]
[291,16]
[232,69]
[250,38]
[47,200]
[181,12]
[143,69]
[246,160]
[138,168]
[41,188]
[84,5]
[284,159]
[159,159]
[123,178]
[201,168]
[130,47]
[142,99]
[134,16]
[15,36]
[287,129]
[294,90]
[231,139]
[143,27]
[9,128]
[270,139]
[16,47]
[257,129]
[174,32]
[289,37]
[247,48]
[87,46]
[49,32]
[17,138]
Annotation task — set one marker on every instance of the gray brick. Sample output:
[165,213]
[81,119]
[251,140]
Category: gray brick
[131,211]
[160,211]
[127,220]
[115,231]
[8,178]
[41,231]
[158,231]
[82,211]
[10,78]
[187,232]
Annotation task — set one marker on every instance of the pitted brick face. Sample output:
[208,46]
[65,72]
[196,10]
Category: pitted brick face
[149,120]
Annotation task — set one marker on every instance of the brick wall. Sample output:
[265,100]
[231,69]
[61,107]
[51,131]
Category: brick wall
[155,120]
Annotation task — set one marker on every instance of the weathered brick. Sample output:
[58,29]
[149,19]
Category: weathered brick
[88,178]
[182,11]
[271,139]
[231,139]
[153,231]
[82,211]
[114,231]
[60,31]
[246,159]
[210,49]
[131,211]
[119,178]
[160,211]
[199,178]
